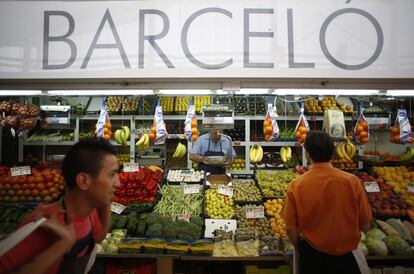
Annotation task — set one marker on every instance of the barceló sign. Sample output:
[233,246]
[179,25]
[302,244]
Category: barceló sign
[153,39]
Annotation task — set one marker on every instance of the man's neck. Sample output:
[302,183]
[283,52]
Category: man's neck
[77,204]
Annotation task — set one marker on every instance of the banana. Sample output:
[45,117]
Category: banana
[117,136]
[127,132]
[180,151]
[122,137]
[140,141]
[343,152]
[352,149]
[252,153]
[146,143]
[288,153]
[339,151]
[283,153]
[183,151]
[258,155]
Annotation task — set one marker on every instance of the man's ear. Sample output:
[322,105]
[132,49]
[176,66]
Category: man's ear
[83,180]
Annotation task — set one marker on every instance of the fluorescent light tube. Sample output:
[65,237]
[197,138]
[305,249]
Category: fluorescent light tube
[252,91]
[400,92]
[19,92]
[333,92]
[184,92]
[116,92]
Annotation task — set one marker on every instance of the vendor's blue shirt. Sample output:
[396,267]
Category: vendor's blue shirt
[201,146]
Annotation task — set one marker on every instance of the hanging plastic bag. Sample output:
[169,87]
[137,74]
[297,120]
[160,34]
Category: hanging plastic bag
[302,127]
[103,127]
[401,132]
[270,126]
[361,130]
[159,131]
[190,130]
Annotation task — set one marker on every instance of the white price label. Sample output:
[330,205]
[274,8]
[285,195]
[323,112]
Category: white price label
[191,189]
[20,170]
[131,167]
[410,187]
[184,217]
[225,190]
[371,187]
[117,207]
[255,213]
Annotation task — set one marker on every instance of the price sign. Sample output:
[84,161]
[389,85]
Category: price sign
[131,167]
[410,187]
[20,170]
[191,189]
[255,212]
[184,217]
[225,190]
[117,207]
[371,187]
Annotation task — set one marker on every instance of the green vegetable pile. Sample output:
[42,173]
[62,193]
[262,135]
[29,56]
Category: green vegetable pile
[174,202]
[10,216]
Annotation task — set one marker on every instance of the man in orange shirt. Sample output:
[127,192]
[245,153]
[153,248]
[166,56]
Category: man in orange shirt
[325,210]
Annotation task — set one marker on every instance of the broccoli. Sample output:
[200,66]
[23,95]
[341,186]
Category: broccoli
[154,231]
[132,223]
[141,228]
[197,220]
[188,231]
[122,221]
[169,231]
[114,221]
[153,218]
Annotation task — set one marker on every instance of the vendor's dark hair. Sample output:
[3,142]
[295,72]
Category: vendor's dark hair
[320,146]
[85,156]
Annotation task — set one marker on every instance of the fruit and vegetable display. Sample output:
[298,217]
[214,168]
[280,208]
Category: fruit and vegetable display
[143,142]
[18,116]
[398,178]
[175,201]
[185,176]
[171,150]
[218,206]
[49,135]
[200,101]
[384,203]
[287,157]
[361,130]
[312,105]
[273,209]
[287,134]
[114,103]
[274,183]
[240,104]
[238,164]
[148,104]
[130,105]
[122,158]
[43,185]
[386,157]
[256,105]
[301,129]
[108,134]
[256,153]
[111,241]
[236,134]
[260,225]
[10,216]
[167,104]
[180,151]
[245,190]
[181,103]
[138,186]
[268,129]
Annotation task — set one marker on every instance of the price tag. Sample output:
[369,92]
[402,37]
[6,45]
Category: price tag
[184,217]
[131,167]
[255,213]
[371,187]
[191,189]
[117,207]
[225,190]
[20,170]
[410,187]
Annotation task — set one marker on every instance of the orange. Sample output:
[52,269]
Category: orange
[364,125]
[194,123]
[298,134]
[364,140]
[108,125]
[268,130]
[106,130]
[154,130]
[194,137]
[302,129]
[152,136]
[395,130]
[44,193]
[267,123]
[363,134]
[359,128]
[107,137]
[194,131]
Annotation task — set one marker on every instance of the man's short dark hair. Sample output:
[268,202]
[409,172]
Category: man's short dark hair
[320,146]
[85,156]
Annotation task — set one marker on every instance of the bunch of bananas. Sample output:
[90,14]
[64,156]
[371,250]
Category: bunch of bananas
[346,151]
[180,151]
[143,143]
[285,154]
[256,153]
[122,135]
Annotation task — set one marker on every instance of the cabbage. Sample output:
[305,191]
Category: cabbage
[363,248]
[375,234]
[376,247]
[396,245]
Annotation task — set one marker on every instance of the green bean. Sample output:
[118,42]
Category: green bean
[174,202]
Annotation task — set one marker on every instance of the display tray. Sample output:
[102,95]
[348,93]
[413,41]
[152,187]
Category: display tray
[248,177]
[173,182]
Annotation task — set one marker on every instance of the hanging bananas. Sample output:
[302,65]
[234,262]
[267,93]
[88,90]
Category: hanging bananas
[256,153]
[143,143]
[122,135]
[346,151]
[285,154]
[180,151]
